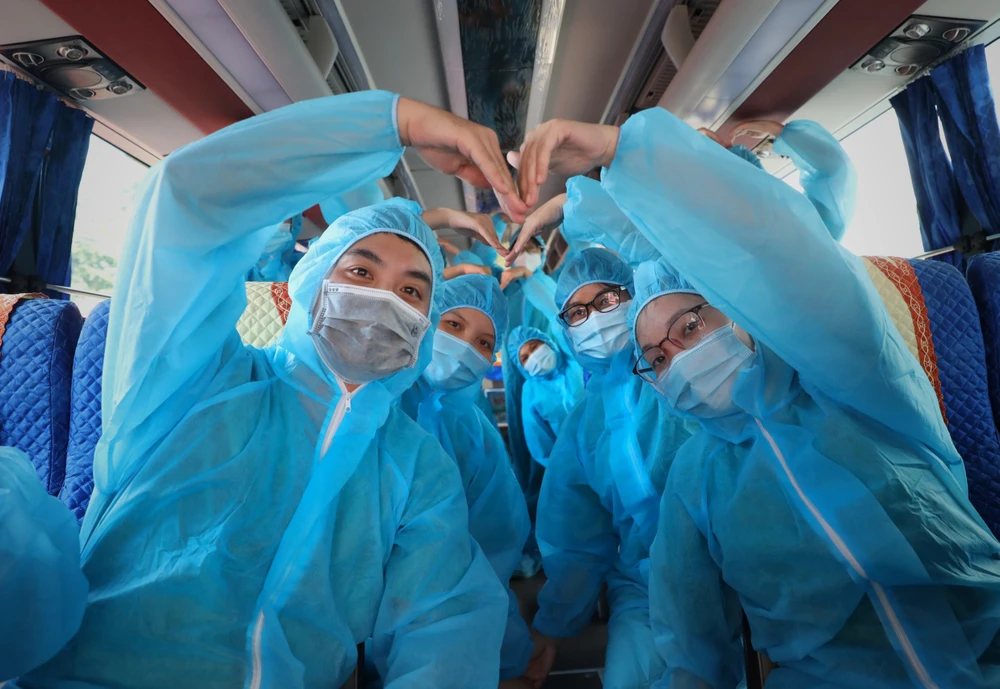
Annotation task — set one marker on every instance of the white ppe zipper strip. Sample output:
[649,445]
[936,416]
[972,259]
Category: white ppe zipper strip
[918,669]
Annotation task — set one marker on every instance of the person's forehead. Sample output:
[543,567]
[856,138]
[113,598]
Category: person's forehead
[530,343]
[589,292]
[475,319]
[655,316]
[394,250]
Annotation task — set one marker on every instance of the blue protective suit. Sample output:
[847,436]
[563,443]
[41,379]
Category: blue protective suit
[827,177]
[547,398]
[826,173]
[832,508]
[530,303]
[599,504]
[498,515]
[42,590]
[279,257]
[367,194]
[535,409]
[251,521]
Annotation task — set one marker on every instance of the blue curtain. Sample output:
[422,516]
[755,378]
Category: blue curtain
[930,170]
[26,119]
[969,118]
[57,193]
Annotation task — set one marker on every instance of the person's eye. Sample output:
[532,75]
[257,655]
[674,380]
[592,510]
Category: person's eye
[412,292]
[454,325]
[486,345]
[577,313]
[691,325]
[360,272]
[658,363]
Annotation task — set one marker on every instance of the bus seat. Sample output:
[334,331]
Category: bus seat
[36,365]
[933,308]
[984,279]
[85,411]
[261,323]
[267,309]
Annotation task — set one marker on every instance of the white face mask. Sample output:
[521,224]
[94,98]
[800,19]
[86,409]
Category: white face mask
[456,364]
[602,335]
[541,361]
[700,380]
[529,260]
[364,334]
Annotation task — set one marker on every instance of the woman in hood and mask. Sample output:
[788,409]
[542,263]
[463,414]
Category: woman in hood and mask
[553,384]
[474,313]
[823,495]
[259,513]
[600,497]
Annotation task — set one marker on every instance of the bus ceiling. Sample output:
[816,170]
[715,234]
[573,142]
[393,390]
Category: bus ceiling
[193,66]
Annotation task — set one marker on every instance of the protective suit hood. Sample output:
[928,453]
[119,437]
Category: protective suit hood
[588,267]
[654,279]
[395,216]
[521,334]
[483,294]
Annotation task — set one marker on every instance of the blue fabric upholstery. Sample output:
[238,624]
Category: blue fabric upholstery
[961,363]
[984,279]
[85,411]
[36,364]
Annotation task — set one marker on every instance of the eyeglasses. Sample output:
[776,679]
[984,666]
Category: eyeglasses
[684,332]
[577,314]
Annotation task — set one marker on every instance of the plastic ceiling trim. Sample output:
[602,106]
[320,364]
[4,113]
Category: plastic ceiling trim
[788,24]
[730,30]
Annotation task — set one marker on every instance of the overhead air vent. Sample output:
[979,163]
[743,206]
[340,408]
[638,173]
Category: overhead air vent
[73,67]
[917,43]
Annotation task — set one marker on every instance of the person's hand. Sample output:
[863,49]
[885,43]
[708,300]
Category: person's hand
[548,214]
[716,137]
[564,147]
[449,248]
[477,226]
[458,147]
[466,269]
[758,129]
[541,661]
[518,273]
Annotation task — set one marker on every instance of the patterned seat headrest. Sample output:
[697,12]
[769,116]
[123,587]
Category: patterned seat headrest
[267,310]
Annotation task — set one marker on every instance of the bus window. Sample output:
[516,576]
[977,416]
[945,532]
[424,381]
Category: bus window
[104,207]
[885,221]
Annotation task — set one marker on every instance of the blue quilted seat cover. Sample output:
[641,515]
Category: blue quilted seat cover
[85,411]
[36,364]
[961,361]
[984,278]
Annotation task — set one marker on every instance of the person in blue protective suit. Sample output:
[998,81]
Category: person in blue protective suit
[600,497]
[474,312]
[42,590]
[554,383]
[259,513]
[823,495]
[530,297]
[539,394]
[279,256]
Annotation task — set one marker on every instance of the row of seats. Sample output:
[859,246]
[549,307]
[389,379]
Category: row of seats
[51,364]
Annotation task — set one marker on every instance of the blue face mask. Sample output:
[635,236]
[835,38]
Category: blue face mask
[542,361]
[699,381]
[602,335]
[456,364]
